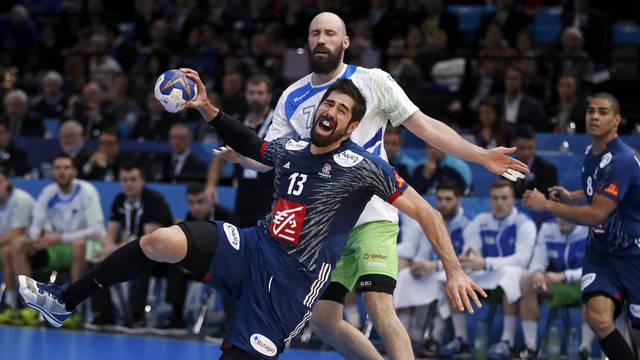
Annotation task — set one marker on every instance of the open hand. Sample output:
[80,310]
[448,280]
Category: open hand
[460,288]
[499,162]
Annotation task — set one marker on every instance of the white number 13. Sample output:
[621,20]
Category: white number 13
[297,180]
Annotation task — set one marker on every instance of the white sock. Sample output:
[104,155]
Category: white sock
[352,315]
[509,329]
[530,332]
[587,337]
[405,319]
[460,326]
[439,327]
[11,298]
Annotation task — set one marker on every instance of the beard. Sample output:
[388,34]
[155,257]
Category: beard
[328,64]
[324,140]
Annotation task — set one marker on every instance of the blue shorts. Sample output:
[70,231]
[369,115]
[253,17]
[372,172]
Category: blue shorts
[267,286]
[615,277]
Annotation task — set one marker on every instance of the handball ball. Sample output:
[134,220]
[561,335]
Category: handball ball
[173,89]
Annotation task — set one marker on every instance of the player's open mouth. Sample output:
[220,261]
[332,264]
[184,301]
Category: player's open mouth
[325,124]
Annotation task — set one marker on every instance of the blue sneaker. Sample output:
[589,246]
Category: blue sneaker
[45,298]
[456,348]
[500,351]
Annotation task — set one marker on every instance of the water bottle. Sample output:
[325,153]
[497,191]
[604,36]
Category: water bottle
[481,341]
[553,344]
[573,345]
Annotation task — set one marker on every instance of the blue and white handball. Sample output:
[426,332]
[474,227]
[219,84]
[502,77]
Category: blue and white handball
[173,89]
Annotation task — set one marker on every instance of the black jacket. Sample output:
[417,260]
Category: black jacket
[542,175]
[192,170]
[14,160]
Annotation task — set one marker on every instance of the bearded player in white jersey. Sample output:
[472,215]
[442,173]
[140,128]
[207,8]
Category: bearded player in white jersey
[369,261]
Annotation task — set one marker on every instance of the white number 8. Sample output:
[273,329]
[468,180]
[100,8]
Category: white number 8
[589,186]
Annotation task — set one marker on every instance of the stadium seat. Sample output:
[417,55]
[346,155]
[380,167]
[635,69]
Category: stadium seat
[51,126]
[545,34]
[469,17]
[625,34]
[124,129]
[548,16]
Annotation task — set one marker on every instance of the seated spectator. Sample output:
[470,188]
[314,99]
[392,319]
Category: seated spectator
[72,142]
[520,108]
[16,207]
[122,106]
[497,249]
[51,103]
[21,122]
[402,162]
[154,123]
[492,131]
[573,59]
[509,16]
[12,158]
[102,67]
[554,273]
[592,24]
[527,61]
[105,162]
[181,165]
[232,95]
[92,110]
[439,27]
[440,167]
[419,266]
[363,51]
[202,207]
[542,174]
[568,114]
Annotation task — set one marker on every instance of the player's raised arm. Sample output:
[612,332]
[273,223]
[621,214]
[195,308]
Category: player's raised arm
[232,131]
[459,286]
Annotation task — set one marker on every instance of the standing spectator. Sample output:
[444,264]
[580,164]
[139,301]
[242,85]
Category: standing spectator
[510,18]
[181,165]
[66,212]
[542,174]
[21,122]
[16,207]
[402,162]
[493,130]
[593,24]
[72,142]
[440,167]
[520,108]
[104,164]
[12,158]
[122,107]
[51,103]
[567,115]
[255,189]
[154,123]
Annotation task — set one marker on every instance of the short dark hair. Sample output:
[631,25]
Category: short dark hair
[195,188]
[130,166]
[347,87]
[449,185]
[393,130]
[615,104]
[525,132]
[4,172]
[62,156]
[258,79]
[111,131]
[515,68]
[502,183]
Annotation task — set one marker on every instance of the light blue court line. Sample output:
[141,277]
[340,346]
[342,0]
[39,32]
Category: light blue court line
[22,343]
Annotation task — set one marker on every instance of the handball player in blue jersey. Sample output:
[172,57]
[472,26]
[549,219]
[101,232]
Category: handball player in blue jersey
[277,270]
[611,187]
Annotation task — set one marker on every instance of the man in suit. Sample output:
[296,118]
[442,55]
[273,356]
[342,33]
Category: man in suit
[510,18]
[542,174]
[570,107]
[520,108]
[21,123]
[72,143]
[105,162]
[181,165]
[12,158]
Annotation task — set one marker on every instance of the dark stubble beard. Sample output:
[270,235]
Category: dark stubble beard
[328,64]
[321,140]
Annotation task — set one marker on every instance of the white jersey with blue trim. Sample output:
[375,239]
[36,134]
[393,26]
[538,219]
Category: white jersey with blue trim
[386,101]
[77,214]
[16,212]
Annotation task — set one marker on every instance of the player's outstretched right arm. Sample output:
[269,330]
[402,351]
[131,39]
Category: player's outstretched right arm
[232,131]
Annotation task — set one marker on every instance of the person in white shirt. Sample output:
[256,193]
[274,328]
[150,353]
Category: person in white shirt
[554,273]
[66,212]
[376,230]
[15,217]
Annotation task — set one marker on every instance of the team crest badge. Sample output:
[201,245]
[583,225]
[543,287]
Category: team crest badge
[326,171]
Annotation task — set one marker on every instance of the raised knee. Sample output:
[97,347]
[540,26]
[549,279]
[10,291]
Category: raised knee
[19,245]
[599,321]
[154,243]
[323,323]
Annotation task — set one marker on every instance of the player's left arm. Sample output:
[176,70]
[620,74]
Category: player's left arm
[593,214]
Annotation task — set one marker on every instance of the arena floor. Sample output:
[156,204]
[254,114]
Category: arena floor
[22,343]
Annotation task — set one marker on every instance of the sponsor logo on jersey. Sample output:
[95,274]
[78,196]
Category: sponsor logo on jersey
[612,189]
[587,279]
[347,158]
[366,283]
[399,179]
[606,159]
[634,309]
[287,221]
[263,345]
[376,264]
[233,235]
[326,171]
[368,256]
[287,165]
[296,145]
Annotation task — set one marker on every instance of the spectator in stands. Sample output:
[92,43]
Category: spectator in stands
[105,162]
[592,24]
[21,122]
[232,96]
[254,194]
[554,272]
[520,108]
[439,27]
[13,159]
[154,123]
[493,130]
[542,174]
[102,67]
[362,49]
[72,142]
[92,110]
[51,103]
[403,67]
[568,114]
[19,37]
[440,167]
[135,212]
[122,106]
[527,61]
[49,53]
[573,59]
[203,208]
[419,265]
[67,217]
[402,162]
[16,207]
[510,18]
[181,165]
[497,248]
